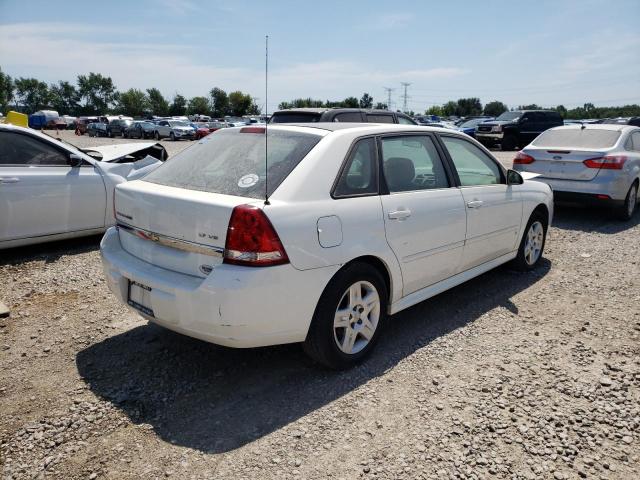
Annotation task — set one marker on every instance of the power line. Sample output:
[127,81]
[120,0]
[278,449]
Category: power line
[388,90]
[405,85]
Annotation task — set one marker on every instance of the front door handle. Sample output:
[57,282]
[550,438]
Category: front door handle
[9,179]
[400,214]
[475,204]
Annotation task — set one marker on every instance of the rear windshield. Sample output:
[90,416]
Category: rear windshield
[233,163]
[294,117]
[577,138]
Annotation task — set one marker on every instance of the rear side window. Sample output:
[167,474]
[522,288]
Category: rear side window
[348,117]
[577,138]
[379,118]
[360,175]
[294,117]
[635,141]
[412,163]
[19,149]
[232,162]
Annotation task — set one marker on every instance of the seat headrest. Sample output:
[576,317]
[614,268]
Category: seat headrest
[399,172]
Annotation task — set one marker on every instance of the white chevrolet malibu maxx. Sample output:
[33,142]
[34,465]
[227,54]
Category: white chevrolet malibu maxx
[359,222]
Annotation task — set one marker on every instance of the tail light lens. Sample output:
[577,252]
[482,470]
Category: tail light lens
[523,159]
[610,162]
[251,239]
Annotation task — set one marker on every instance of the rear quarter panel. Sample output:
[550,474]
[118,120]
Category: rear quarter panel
[305,197]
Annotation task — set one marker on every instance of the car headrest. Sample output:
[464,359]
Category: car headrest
[399,172]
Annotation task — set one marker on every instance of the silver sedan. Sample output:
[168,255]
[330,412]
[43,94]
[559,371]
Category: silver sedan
[593,164]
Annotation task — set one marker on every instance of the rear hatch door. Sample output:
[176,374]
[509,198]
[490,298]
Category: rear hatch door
[174,228]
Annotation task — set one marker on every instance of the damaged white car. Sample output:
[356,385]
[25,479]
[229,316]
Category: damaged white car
[51,190]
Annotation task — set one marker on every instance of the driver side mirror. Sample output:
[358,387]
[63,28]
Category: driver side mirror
[514,178]
[75,160]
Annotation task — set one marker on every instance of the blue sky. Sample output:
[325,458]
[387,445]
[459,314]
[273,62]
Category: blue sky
[545,52]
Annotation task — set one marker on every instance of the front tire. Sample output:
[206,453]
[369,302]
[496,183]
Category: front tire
[157,136]
[348,318]
[626,211]
[532,243]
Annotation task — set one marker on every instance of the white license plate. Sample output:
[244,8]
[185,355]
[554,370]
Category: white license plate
[139,297]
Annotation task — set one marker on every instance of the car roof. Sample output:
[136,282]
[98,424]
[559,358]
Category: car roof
[374,128]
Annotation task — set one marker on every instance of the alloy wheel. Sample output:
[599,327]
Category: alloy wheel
[533,244]
[356,317]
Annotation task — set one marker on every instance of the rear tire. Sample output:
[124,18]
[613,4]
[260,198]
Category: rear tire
[157,136]
[532,243]
[509,142]
[172,137]
[626,211]
[348,319]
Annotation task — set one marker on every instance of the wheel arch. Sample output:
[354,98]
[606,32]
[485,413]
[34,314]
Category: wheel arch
[379,265]
[542,209]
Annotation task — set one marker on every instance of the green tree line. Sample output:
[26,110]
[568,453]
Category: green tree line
[366,101]
[465,107]
[95,94]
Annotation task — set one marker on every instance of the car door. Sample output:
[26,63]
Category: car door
[164,128]
[494,209]
[40,194]
[530,127]
[424,214]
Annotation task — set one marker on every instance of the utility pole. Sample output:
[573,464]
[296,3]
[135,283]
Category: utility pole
[405,85]
[388,90]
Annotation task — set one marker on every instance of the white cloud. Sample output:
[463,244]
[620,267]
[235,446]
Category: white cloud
[390,21]
[51,52]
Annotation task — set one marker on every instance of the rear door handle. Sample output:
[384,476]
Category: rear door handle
[475,204]
[9,179]
[399,214]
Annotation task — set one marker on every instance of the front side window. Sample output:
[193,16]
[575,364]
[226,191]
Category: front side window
[20,149]
[233,162]
[412,163]
[360,175]
[404,120]
[474,167]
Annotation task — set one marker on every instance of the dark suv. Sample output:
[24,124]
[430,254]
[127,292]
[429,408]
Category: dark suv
[517,129]
[351,115]
[117,127]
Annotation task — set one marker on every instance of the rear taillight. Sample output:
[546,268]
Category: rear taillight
[252,240]
[523,159]
[610,162]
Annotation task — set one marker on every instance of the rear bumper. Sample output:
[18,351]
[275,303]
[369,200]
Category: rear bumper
[586,199]
[613,185]
[233,306]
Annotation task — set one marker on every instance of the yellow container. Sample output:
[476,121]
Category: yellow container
[18,119]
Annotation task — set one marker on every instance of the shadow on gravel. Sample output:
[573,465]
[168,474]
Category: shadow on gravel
[49,252]
[585,219]
[216,399]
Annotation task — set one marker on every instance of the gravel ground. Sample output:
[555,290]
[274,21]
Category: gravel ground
[511,375]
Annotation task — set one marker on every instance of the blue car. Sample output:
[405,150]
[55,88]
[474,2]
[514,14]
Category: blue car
[469,127]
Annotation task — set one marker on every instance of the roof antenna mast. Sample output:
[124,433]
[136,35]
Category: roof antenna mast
[266,114]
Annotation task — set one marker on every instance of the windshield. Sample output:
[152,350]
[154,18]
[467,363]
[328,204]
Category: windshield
[178,123]
[577,138]
[508,116]
[232,162]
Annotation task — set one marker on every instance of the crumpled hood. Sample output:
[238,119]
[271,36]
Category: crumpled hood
[131,171]
[114,152]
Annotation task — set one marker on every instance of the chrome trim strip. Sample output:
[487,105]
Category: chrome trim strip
[171,242]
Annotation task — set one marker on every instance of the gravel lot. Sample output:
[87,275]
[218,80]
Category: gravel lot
[511,375]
